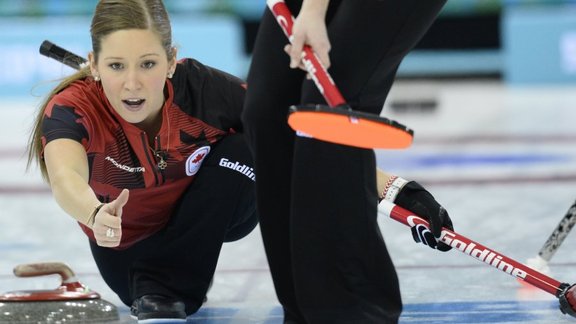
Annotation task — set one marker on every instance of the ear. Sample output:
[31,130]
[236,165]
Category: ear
[173,61]
[93,67]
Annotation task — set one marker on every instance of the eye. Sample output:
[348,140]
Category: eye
[148,64]
[116,66]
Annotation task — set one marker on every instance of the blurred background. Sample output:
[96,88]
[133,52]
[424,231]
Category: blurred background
[490,91]
[517,41]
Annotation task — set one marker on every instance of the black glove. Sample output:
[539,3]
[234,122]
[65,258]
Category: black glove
[413,197]
[567,299]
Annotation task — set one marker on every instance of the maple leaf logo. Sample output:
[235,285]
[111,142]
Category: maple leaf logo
[198,158]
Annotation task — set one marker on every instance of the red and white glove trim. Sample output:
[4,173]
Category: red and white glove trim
[392,188]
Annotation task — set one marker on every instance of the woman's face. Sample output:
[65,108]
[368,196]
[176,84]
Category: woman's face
[133,67]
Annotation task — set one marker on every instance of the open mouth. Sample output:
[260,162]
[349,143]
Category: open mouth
[133,104]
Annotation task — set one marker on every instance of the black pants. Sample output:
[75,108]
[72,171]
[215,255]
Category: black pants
[180,260]
[317,201]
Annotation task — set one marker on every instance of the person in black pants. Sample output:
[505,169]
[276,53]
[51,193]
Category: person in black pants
[317,201]
[180,259]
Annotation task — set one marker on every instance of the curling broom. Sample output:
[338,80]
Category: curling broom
[566,293]
[552,244]
[337,122]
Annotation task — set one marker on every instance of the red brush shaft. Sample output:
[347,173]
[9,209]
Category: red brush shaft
[317,71]
[479,251]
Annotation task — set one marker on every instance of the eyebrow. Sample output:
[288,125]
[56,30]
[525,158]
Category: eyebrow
[120,58]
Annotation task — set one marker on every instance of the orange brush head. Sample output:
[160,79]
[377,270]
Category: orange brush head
[348,127]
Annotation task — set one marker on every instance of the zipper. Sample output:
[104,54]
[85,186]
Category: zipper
[160,155]
[149,157]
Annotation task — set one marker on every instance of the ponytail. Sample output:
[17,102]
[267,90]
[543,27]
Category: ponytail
[35,147]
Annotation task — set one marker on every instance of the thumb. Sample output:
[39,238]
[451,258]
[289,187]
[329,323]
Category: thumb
[296,51]
[436,222]
[118,204]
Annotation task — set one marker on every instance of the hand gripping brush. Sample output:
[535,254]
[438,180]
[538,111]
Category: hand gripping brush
[566,293]
[337,122]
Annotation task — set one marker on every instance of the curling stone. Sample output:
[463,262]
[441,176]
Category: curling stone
[71,302]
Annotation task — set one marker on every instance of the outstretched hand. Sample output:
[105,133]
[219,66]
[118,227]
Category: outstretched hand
[108,221]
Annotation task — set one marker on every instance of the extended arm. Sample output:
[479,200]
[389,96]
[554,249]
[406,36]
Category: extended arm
[67,166]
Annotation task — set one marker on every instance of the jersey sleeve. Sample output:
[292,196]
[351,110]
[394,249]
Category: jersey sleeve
[63,122]
[217,97]
[236,89]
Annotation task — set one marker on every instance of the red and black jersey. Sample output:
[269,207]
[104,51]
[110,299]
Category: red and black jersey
[202,106]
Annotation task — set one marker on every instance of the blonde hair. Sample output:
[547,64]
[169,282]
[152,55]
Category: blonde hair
[109,16]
